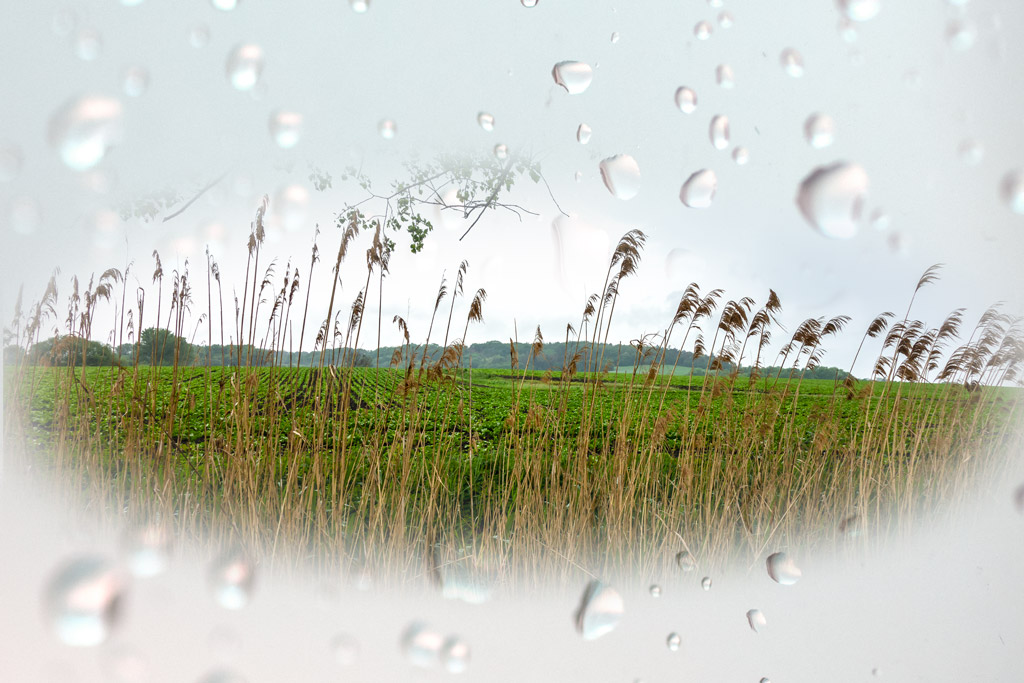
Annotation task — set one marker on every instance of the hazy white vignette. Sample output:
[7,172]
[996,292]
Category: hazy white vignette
[869,139]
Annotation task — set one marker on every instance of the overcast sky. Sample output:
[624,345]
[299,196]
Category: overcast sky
[905,96]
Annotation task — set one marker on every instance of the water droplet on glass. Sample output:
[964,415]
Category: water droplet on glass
[222,676]
[24,215]
[599,611]
[344,650]
[455,655]
[725,20]
[684,558]
[359,6]
[819,130]
[673,641]
[621,175]
[898,243]
[529,3]
[875,671]
[961,35]
[575,77]
[244,66]
[705,583]
[782,569]
[147,550]
[765,679]
[198,36]
[500,151]
[971,152]
[84,128]
[135,81]
[83,601]
[421,645]
[224,5]
[756,620]
[583,134]
[879,220]
[231,580]
[697,193]
[291,205]
[387,129]
[64,22]
[831,198]
[718,131]
[741,156]
[285,128]
[847,30]
[577,176]
[11,161]
[615,37]
[792,62]
[1013,190]
[88,44]
[686,100]
[486,121]
[702,30]
[860,10]
[725,77]
[654,590]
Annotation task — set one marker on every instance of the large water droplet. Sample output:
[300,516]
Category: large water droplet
[224,5]
[831,198]
[756,620]
[782,569]
[345,650]
[697,193]
[702,30]
[725,19]
[705,583]
[387,129]
[244,66]
[583,134]
[1013,190]
[83,601]
[199,36]
[291,205]
[421,645]
[486,121]
[575,77]
[501,151]
[455,655]
[961,34]
[599,612]
[860,10]
[686,99]
[147,550]
[11,161]
[673,642]
[84,128]
[718,131]
[654,590]
[971,152]
[231,580]
[725,77]
[684,558]
[621,175]
[359,6]
[285,128]
[88,44]
[135,81]
[792,62]
[741,156]
[24,215]
[819,130]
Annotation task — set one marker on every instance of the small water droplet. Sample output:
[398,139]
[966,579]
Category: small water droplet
[285,128]
[702,30]
[578,176]
[741,156]
[231,579]
[83,601]
[971,152]
[147,549]
[756,620]
[64,22]
[84,128]
[654,590]
[24,215]
[684,558]
[386,128]
[899,243]
[961,35]
[621,175]
[831,198]
[615,37]
[529,3]
[222,676]
[686,100]
[199,36]
[88,44]
[765,679]
[344,650]
[135,81]
[792,62]
[782,569]
[860,10]
[673,642]
[718,131]
[697,193]
[11,161]
[359,6]
[819,130]
[725,20]
[486,121]
[724,76]
[244,66]
[421,645]
[879,220]
[583,134]
[575,77]
[875,671]
[501,151]
[847,30]
[291,206]
[599,612]
[705,583]
[455,655]
[1013,190]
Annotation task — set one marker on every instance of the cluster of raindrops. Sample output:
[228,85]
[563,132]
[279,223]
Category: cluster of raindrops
[426,648]
[600,610]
